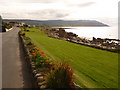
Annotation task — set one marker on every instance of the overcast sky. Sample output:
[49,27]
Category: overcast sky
[59,9]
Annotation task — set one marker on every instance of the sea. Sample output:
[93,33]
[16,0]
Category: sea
[97,32]
[110,32]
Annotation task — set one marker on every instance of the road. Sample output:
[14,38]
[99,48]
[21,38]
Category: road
[15,73]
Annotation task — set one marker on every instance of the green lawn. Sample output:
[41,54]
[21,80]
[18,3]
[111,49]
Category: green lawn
[93,68]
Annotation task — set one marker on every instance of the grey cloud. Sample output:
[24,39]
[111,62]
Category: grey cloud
[8,15]
[49,13]
[61,15]
[14,15]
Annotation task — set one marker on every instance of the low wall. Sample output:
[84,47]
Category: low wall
[29,63]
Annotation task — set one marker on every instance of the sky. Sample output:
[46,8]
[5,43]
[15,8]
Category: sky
[59,9]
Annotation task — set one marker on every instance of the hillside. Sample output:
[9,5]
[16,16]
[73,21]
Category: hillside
[59,22]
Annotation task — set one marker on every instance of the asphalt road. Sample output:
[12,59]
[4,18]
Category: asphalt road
[15,73]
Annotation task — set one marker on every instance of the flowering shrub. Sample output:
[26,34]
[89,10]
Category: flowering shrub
[61,77]
[40,58]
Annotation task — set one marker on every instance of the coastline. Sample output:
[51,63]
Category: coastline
[107,44]
[97,32]
[74,28]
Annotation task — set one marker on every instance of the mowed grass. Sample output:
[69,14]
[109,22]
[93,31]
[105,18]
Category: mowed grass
[93,68]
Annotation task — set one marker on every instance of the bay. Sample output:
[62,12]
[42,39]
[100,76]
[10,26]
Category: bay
[97,32]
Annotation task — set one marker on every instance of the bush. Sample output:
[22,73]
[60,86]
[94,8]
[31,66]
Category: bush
[29,43]
[22,33]
[61,77]
[40,58]
[27,38]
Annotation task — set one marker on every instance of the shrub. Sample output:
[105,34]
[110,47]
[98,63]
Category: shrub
[40,58]
[40,61]
[27,38]
[22,33]
[29,43]
[61,77]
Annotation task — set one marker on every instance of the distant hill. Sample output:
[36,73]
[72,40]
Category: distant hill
[59,22]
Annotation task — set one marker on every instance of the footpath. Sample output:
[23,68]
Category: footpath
[15,73]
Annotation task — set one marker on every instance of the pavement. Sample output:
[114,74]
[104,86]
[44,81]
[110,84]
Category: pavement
[15,73]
